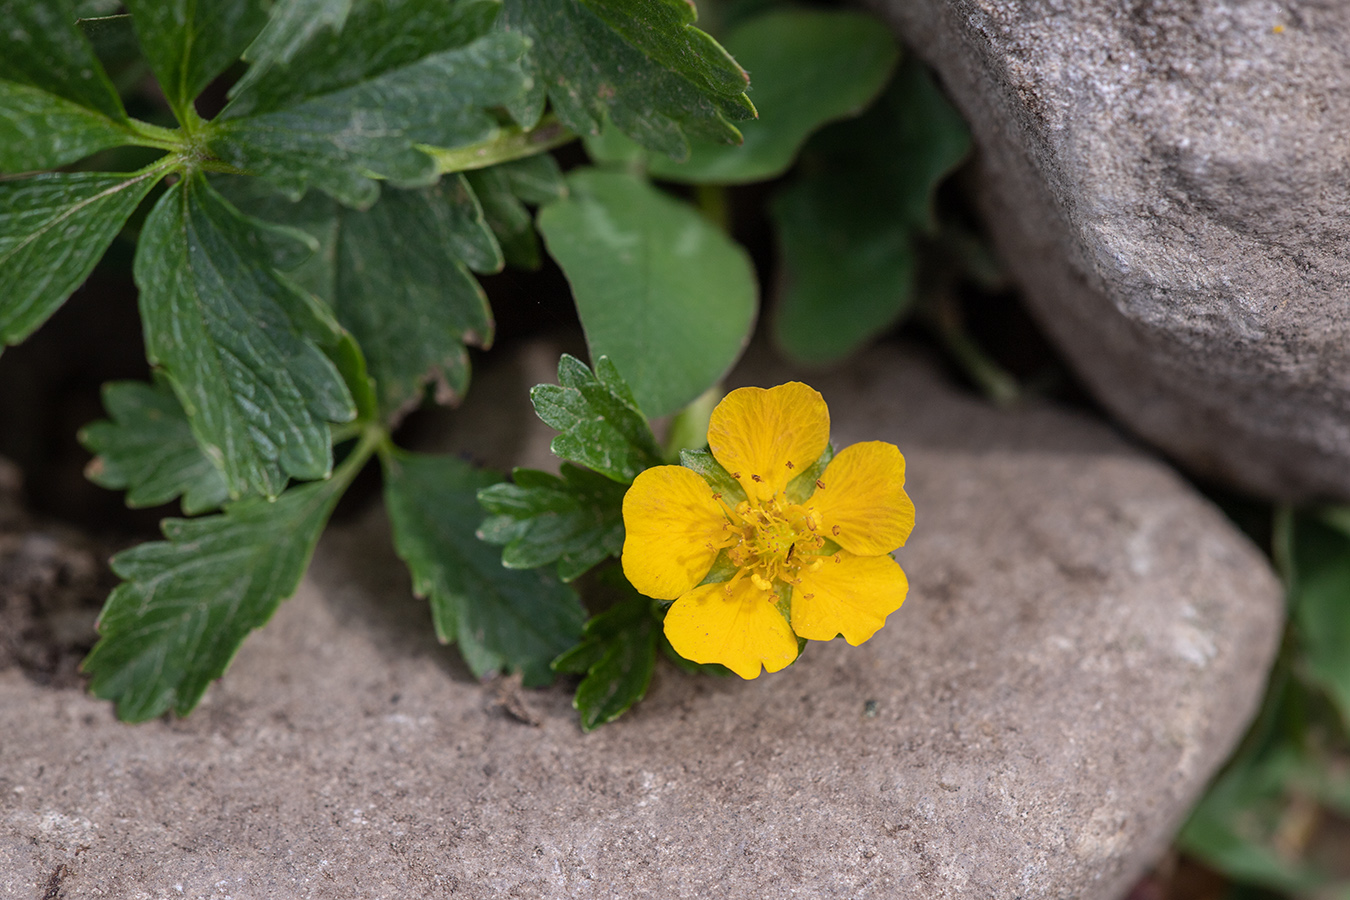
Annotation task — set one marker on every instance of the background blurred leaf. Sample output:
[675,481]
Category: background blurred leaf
[240,347]
[810,67]
[575,521]
[503,191]
[846,225]
[148,450]
[53,230]
[501,618]
[617,656]
[666,296]
[41,46]
[1319,597]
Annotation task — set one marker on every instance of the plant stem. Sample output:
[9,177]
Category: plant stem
[510,143]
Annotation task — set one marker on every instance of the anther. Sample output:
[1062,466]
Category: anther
[756,478]
[790,465]
[736,475]
[808,596]
[835,531]
[820,485]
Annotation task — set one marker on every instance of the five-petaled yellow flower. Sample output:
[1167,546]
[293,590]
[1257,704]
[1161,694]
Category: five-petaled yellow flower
[815,569]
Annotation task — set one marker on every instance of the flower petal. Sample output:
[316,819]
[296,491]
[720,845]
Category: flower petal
[862,504]
[739,627]
[765,437]
[851,597]
[672,527]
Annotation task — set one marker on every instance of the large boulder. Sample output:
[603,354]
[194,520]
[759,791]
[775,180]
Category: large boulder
[1168,182]
[1084,641]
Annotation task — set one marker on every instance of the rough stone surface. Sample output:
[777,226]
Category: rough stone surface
[1084,641]
[1169,182]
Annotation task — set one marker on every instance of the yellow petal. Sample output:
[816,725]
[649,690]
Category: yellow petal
[755,433]
[672,527]
[851,597]
[863,505]
[741,631]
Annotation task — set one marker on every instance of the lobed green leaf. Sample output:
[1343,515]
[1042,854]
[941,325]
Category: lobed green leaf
[501,618]
[503,191]
[669,298]
[148,450]
[40,46]
[293,24]
[39,130]
[575,521]
[240,346]
[53,230]
[187,603]
[617,656]
[599,422]
[664,30]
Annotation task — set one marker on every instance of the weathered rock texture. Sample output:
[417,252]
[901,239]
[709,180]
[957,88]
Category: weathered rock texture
[1084,641]
[1170,181]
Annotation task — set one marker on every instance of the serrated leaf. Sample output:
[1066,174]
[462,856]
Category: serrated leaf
[617,655]
[293,24]
[811,67]
[41,47]
[342,141]
[53,230]
[186,605]
[503,191]
[669,298]
[846,227]
[599,423]
[397,277]
[664,30]
[148,450]
[239,345]
[590,71]
[575,521]
[500,618]
[39,130]
[190,42]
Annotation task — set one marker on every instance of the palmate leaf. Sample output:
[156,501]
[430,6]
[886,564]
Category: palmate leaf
[239,345]
[397,277]
[617,656]
[599,423]
[353,106]
[589,70]
[575,521]
[668,297]
[500,618]
[147,449]
[190,42]
[53,230]
[187,603]
[40,46]
[294,23]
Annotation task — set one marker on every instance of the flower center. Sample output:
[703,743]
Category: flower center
[773,541]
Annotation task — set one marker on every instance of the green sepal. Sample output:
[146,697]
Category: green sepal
[599,422]
[718,478]
[146,447]
[802,486]
[575,520]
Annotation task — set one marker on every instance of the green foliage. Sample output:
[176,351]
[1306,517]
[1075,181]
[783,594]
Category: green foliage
[616,656]
[811,67]
[40,130]
[40,46]
[503,192]
[846,227]
[575,521]
[501,618]
[187,603]
[148,450]
[599,422]
[53,229]
[661,292]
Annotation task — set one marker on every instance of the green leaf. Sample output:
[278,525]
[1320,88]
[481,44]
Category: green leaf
[187,603]
[617,655]
[39,130]
[40,46]
[600,424]
[501,618]
[664,30]
[845,228]
[575,521]
[397,277]
[294,23]
[810,67]
[53,229]
[503,191]
[239,345]
[190,42]
[148,449]
[667,296]
[341,141]
[1320,599]
[589,70]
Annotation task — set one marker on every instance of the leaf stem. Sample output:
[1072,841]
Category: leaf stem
[373,436]
[147,135]
[508,144]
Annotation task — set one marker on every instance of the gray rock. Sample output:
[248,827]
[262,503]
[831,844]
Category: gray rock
[1168,182]
[1084,641]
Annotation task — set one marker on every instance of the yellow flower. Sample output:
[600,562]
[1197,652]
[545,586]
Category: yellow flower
[813,569]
